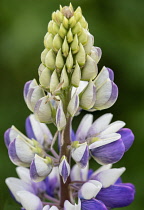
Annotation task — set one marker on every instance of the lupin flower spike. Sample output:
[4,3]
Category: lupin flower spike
[69,81]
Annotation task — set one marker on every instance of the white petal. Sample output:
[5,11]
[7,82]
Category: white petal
[113,127]
[69,206]
[81,87]
[84,127]
[110,176]
[90,189]
[78,153]
[47,207]
[24,174]
[53,208]
[105,140]
[102,168]
[15,185]
[100,124]
[29,201]
[75,173]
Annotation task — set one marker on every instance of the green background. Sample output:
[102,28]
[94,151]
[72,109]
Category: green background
[118,28]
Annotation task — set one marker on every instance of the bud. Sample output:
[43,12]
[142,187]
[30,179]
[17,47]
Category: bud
[89,189]
[48,40]
[55,28]
[62,31]
[65,22]
[89,44]
[40,168]
[41,68]
[88,96]
[43,110]
[54,82]
[74,45]
[64,79]
[59,60]
[90,69]
[76,76]
[69,61]
[73,104]
[50,60]
[77,29]
[57,42]
[83,22]
[44,78]
[80,56]
[83,38]
[96,54]
[80,153]
[65,48]
[72,21]
[60,117]
[69,36]
[64,168]
[43,55]
[50,27]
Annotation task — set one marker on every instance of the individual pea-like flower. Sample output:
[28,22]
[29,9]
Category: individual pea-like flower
[64,168]
[107,141]
[21,148]
[102,189]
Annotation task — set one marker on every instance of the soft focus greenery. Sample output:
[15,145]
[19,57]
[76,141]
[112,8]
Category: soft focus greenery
[118,27]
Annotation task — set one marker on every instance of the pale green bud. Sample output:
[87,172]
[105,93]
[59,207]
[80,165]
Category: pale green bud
[40,69]
[69,36]
[43,55]
[69,61]
[54,81]
[65,22]
[50,27]
[59,60]
[54,16]
[74,44]
[59,17]
[78,10]
[83,38]
[65,48]
[83,22]
[89,44]
[57,42]
[77,15]
[73,104]
[77,29]
[45,78]
[90,69]
[81,56]
[76,76]
[62,31]
[48,39]
[50,60]
[88,96]
[55,28]
[64,79]
[72,21]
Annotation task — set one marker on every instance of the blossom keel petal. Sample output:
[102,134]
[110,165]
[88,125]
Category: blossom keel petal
[127,137]
[116,196]
[110,153]
[92,204]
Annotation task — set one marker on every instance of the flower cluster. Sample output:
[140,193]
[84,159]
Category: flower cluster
[69,82]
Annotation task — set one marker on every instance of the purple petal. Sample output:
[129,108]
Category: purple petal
[12,153]
[117,196]
[6,137]
[119,181]
[29,129]
[33,171]
[26,88]
[65,173]
[111,74]
[92,204]
[113,97]
[84,160]
[110,153]
[127,137]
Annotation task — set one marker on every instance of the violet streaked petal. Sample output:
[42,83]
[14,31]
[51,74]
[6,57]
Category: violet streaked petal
[73,104]
[15,185]
[92,204]
[110,153]
[7,137]
[64,168]
[99,124]
[40,168]
[29,201]
[60,117]
[83,128]
[27,86]
[117,196]
[20,152]
[127,137]
[43,110]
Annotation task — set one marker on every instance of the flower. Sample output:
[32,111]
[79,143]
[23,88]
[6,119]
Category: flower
[107,141]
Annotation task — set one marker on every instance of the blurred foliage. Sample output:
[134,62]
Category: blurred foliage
[118,27]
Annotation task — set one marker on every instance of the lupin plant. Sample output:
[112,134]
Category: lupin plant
[69,82]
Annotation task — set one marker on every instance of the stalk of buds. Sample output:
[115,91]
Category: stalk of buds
[69,82]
